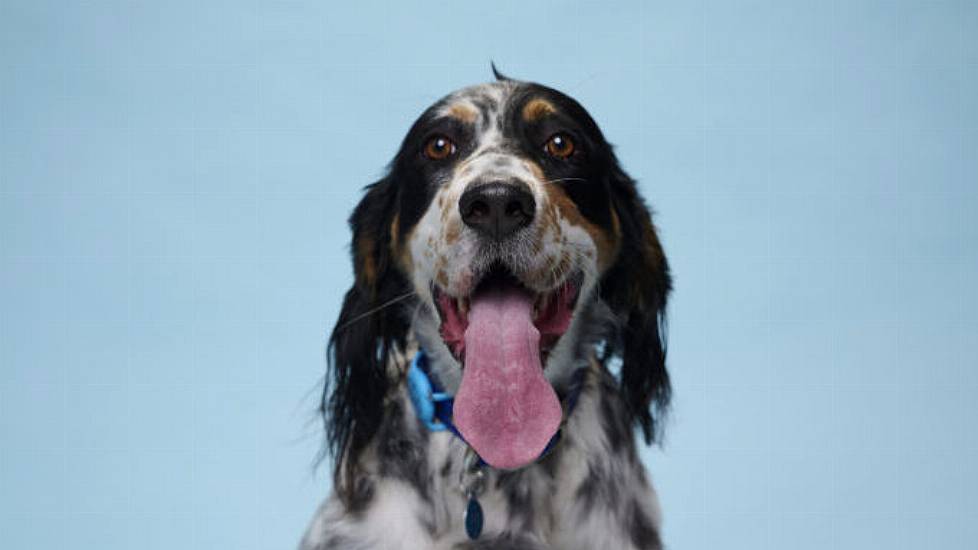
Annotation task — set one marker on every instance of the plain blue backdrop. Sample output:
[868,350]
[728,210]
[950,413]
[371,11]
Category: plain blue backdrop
[174,183]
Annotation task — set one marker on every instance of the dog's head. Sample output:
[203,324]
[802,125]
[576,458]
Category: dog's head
[508,240]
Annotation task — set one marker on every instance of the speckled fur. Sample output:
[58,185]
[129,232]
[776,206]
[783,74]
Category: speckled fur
[590,492]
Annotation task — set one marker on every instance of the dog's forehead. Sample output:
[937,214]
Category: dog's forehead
[493,108]
[483,105]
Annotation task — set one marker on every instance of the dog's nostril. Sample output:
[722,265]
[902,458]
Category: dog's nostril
[478,209]
[514,209]
[497,209]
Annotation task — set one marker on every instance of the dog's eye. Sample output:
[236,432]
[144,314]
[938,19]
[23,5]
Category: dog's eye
[560,145]
[439,148]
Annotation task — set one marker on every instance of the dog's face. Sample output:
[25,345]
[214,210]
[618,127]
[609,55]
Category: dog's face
[509,174]
[507,226]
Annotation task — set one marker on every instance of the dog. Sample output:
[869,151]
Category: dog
[502,348]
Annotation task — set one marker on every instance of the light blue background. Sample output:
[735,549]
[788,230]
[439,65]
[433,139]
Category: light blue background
[174,183]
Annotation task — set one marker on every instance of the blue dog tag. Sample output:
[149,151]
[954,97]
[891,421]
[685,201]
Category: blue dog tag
[473,518]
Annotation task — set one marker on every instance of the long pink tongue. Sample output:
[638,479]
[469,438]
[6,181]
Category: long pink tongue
[505,408]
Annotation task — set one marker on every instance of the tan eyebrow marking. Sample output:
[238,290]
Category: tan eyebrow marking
[463,112]
[368,268]
[537,108]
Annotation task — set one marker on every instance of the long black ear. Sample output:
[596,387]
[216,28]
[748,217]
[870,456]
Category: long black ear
[636,288]
[365,334]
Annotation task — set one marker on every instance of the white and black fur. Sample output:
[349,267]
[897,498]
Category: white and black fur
[396,485]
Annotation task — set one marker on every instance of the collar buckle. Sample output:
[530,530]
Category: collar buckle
[423,395]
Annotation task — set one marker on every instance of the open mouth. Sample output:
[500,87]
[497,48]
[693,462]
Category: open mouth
[502,333]
[551,311]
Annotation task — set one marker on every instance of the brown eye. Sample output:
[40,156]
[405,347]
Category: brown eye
[439,148]
[560,146]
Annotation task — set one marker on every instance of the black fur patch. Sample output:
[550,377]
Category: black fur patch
[519,498]
[641,530]
[595,487]
[402,452]
[340,542]
[360,494]
[614,420]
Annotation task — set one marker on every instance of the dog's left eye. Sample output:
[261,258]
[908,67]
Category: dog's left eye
[560,145]
[439,148]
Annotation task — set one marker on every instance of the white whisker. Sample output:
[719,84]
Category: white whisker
[376,309]
[558,180]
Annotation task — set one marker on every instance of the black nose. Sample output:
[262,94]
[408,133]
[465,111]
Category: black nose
[497,209]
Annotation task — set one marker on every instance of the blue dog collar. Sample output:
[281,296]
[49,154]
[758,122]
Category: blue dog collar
[423,395]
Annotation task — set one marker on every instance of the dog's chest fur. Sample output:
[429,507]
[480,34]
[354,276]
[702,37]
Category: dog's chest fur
[590,492]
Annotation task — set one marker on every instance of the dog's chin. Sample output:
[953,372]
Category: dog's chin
[553,309]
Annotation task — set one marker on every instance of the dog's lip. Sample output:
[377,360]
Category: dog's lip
[542,297]
[552,309]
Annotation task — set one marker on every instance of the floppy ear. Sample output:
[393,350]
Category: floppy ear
[362,341]
[636,287]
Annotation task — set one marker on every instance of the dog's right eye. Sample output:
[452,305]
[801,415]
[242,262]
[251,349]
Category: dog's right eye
[439,148]
[560,145]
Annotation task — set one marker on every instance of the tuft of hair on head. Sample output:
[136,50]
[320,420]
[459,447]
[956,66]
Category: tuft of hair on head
[495,72]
